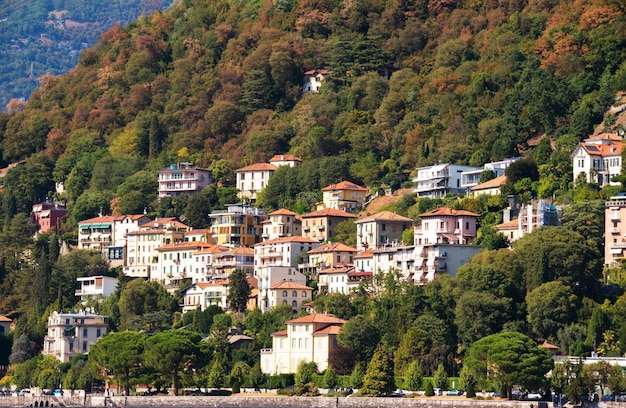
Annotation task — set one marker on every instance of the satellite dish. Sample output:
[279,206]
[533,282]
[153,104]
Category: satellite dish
[621,132]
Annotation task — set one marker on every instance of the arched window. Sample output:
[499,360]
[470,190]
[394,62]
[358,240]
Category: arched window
[284,293]
[294,304]
[294,294]
[303,294]
[284,302]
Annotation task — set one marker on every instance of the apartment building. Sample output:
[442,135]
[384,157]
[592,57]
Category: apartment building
[320,225]
[237,225]
[70,334]
[380,229]
[183,179]
[598,159]
[281,223]
[439,180]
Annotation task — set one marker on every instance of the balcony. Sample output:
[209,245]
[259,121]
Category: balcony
[267,351]
[618,245]
[306,229]
[614,230]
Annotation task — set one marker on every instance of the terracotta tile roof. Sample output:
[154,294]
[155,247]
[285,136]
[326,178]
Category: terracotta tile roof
[328,330]
[337,270]
[99,220]
[253,282]
[284,157]
[317,318]
[147,232]
[257,167]
[204,285]
[177,246]
[282,333]
[242,251]
[604,149]
[384,216]
[549,346]
[344,185]
[294,239]
[5,319]
[361,273]
[161,222]
[513,224]
[368,253]
[314,71]
[328,212]
[448,211]
[212,249]
[283,211]
[493,183]
[333,247]
[290,285]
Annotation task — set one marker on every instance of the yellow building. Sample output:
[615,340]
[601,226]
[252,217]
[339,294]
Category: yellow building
[238,225]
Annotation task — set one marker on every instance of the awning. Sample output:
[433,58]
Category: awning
[69,329]
[616,251]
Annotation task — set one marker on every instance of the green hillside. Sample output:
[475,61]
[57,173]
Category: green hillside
[39,37]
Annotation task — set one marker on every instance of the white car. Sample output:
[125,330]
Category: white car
[534,396]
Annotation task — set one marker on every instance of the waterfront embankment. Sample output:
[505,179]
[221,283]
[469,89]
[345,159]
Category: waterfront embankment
[262,401]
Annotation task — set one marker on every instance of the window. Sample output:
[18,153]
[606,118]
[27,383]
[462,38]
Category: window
[85,332]
[294,304]
[284,293]
[304,296]
[294,294]
[71,346]
[84,346]
[98,333]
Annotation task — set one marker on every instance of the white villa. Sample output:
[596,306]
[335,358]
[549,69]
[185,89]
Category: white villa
[599,158]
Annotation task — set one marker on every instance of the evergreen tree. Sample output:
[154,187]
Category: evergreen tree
[238,291]
[330,378]
[217,376]
[356,378]
[441,378]
[379,379]
[429,391]
[413,377]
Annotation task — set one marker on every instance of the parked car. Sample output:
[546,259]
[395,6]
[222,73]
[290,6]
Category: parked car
[455,393]
[533,395]
[57,393]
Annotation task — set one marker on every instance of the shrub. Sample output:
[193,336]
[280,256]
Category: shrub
[428,389]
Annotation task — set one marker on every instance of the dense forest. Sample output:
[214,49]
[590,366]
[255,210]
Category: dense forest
[412,83]
[40,37]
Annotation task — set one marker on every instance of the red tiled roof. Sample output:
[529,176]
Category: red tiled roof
[213,249]
[295,239]
[448,211]
[493,183]
[284,157]
[317,318]
[257,167]
[328,212]
[337,269]
[98,220]
[368,253]
[282,333]
[314,71]
[332,247]
[283,211]
[328,330]
[361,273]
[549,346]
[290,285]
[5,319]
[344,185]
[204,285]
[384,215]
[510,224]
[184,245]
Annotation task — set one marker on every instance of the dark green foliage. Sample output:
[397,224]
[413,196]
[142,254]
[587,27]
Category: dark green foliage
[238,291]
[379,380]
[429,391]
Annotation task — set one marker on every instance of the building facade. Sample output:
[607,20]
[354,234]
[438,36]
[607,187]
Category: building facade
[182,178]
[614,231]
[439,180]
[48,216]
[281,223]
[70,334]
[96,287]
[598,159]
[320,225]
[238,225]
[380,229]
[310,338]
[343,196]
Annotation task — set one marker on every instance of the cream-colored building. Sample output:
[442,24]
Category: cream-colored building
[310,338]
[380,229]
[254,178]
[281,223]
[492,187]
[5,324]
[70,334]
[289,293]
[320,225]
[344,196]
[335,279]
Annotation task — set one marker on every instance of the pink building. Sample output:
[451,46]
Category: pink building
[48,216]
[445,225]
[182,178]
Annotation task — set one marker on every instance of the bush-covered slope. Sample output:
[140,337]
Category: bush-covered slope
[412,83]
[41,37]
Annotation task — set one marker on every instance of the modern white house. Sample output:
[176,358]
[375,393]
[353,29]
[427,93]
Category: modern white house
[95,287]
[598,159]
[182,178]
[439,180]
[70,334]
[471,178]
[310,338]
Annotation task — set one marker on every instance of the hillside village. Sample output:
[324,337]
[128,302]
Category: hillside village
[323,195]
